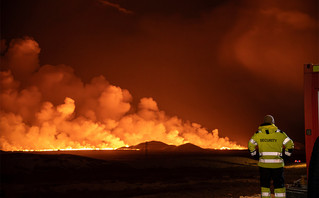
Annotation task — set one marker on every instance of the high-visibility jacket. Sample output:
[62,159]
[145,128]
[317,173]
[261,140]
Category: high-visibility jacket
[270,142]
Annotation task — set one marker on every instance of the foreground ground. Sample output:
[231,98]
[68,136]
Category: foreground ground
[133,174]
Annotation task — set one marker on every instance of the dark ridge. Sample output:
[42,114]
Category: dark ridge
[153,146]
[188,147]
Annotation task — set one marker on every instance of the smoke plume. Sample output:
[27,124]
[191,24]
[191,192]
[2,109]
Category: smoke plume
[55,109]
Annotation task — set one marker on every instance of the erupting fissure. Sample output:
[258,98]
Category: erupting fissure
[49,108]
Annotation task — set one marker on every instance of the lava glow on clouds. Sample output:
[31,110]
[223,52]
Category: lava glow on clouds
[49,107]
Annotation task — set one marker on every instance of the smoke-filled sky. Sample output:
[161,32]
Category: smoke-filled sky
[223,64]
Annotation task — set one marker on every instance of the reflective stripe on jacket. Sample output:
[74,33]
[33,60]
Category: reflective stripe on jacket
[270,141]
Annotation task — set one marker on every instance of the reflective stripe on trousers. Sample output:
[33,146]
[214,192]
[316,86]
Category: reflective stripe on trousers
[265,194]
[280,194]
[270,160]
[270,154]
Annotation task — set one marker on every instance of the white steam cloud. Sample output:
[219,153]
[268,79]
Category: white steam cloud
[54,109]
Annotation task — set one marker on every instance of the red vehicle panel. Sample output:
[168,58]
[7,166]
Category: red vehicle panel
[311,107]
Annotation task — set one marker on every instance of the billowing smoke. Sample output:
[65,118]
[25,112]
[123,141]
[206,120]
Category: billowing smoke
[274,41]
[54,109]
[22,57]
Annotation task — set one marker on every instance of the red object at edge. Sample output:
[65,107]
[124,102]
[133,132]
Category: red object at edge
[311,108]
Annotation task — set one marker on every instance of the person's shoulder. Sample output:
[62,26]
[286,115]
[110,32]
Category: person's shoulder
[280,131]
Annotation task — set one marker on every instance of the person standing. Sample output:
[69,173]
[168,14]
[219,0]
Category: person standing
[267,145]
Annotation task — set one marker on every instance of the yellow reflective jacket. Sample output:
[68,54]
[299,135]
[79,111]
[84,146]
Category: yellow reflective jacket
[270,141]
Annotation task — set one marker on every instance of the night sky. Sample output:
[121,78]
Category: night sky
[224,64]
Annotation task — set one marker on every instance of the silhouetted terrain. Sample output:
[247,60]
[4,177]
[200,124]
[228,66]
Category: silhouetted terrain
[154,173]
[156,146]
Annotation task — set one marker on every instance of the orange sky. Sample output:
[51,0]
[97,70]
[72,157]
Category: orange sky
[222,64]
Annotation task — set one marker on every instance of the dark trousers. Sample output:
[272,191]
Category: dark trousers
[275,174]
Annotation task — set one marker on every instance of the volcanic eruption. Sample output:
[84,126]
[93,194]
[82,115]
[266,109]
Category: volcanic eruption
[50,107]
